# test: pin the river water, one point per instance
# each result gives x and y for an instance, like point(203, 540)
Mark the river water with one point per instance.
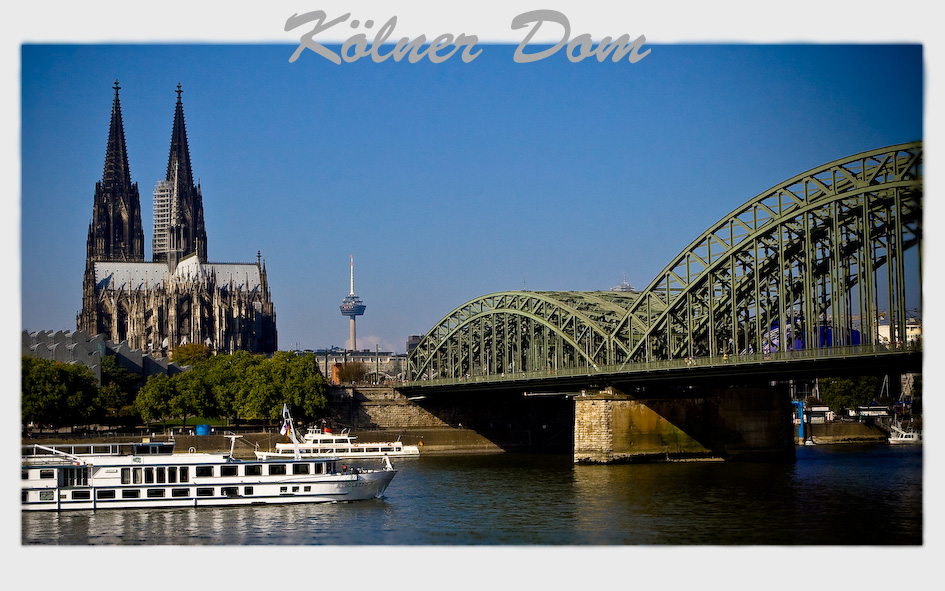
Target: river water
point(832, 495)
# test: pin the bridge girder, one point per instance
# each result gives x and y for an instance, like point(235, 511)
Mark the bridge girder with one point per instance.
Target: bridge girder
point(819, 253)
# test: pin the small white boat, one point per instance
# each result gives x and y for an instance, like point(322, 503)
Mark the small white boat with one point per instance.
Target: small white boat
point(132, 475)
point(900, 436)
point(322, 443)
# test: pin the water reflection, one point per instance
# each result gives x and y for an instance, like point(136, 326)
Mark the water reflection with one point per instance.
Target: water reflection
point(833, 495)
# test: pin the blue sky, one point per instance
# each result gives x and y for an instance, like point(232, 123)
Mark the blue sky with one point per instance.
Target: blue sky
point(445, 181)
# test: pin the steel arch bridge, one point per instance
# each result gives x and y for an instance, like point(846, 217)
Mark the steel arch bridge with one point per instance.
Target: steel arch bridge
point(808, 264)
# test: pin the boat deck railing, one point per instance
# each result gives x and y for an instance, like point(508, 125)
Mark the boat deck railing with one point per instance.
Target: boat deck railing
point(55, 452)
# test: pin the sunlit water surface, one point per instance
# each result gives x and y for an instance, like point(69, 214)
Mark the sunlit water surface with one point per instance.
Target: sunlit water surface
point(837, 495)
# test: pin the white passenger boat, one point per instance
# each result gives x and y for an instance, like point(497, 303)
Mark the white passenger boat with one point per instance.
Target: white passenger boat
point(900, 436)
point(319, 443)
point(127, 475)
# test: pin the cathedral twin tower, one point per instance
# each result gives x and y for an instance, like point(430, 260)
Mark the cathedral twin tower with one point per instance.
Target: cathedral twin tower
point(178, 297)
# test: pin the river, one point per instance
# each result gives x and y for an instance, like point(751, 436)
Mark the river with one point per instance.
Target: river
point(832, 495)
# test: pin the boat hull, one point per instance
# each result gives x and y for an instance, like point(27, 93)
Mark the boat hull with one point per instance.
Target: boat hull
point(56, 481)
point(343, 488)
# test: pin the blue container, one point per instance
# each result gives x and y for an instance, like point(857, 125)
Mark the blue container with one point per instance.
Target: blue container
point(203, 429)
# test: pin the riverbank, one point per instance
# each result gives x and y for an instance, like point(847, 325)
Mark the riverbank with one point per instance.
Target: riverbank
point(432, 441)
point(843, 432)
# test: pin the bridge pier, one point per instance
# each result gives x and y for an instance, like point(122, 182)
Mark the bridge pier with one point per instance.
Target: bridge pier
point(752, 424)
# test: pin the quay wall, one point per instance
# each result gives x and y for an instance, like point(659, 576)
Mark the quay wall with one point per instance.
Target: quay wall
point(844, 432)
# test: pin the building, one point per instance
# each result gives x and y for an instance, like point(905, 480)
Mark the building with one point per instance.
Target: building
point(381, 366)
point(179, 297)
point(78, 347)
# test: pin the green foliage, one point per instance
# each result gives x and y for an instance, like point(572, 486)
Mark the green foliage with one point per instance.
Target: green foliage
point(239, 386)
point(190, 354)
point(848, 392)
point(154, 398)
point(117, 393)
point(57, 393)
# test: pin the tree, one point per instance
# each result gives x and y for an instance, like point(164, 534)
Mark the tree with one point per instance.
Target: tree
point(192, 395)
point(353, 371)
point(154, 398)
point(190, 354)
point(116, 395)
point(840, 393)
point(57, 393)
point(43, 393)
point(263, 395)
point(304, 386)
point(227, 378)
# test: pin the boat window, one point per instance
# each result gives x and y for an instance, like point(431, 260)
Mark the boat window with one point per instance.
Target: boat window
point(204, 471)
point(105, 494)
point(277, 469)
point(160, 475)
point(81, 495)
point(180, 492)
point(247, 490)
point(130, 494)
point(126, 475)
point(149, 475)
point(155, 493)
point(184, 474)
point(172, 474)
point(47, 495)
point(73, 476)
point(230, 491)
point(307, 489)
point(136, 476)
point(228, 470)
point(47, 473)
point(25, 474)
point(300, 468)
point(204, 492)
point(253, 470)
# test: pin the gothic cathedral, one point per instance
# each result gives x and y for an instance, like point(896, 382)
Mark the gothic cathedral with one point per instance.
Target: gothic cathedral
point(179, 297)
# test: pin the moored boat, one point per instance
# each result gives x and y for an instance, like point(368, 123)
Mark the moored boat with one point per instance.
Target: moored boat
point(131, 475)
point(900, 436)
point(322, 443)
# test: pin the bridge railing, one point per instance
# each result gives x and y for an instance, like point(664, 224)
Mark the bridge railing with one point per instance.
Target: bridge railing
point(791, 355)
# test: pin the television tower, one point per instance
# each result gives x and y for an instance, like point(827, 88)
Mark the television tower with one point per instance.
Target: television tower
point(352, 307)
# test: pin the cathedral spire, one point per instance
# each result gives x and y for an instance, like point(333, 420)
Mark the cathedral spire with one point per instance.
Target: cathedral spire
point(116, 232)
point(117, 175)
point(178, 162)
point(182, 231)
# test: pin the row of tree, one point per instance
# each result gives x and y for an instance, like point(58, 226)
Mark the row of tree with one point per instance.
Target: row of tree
point(240, 386)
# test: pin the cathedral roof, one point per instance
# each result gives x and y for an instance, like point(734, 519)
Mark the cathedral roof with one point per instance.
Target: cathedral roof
point(117, 275)
point(124, 275)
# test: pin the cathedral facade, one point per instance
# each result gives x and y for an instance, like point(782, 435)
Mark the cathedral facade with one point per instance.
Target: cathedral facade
point(179, 296)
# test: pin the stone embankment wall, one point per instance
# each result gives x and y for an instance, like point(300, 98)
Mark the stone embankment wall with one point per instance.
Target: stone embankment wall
point(843, 432)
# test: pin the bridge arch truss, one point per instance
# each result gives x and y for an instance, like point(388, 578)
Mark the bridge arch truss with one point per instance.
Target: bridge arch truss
point(816, 261)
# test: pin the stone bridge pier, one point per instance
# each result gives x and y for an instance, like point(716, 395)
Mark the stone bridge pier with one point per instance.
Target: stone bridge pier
point(752, 424)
